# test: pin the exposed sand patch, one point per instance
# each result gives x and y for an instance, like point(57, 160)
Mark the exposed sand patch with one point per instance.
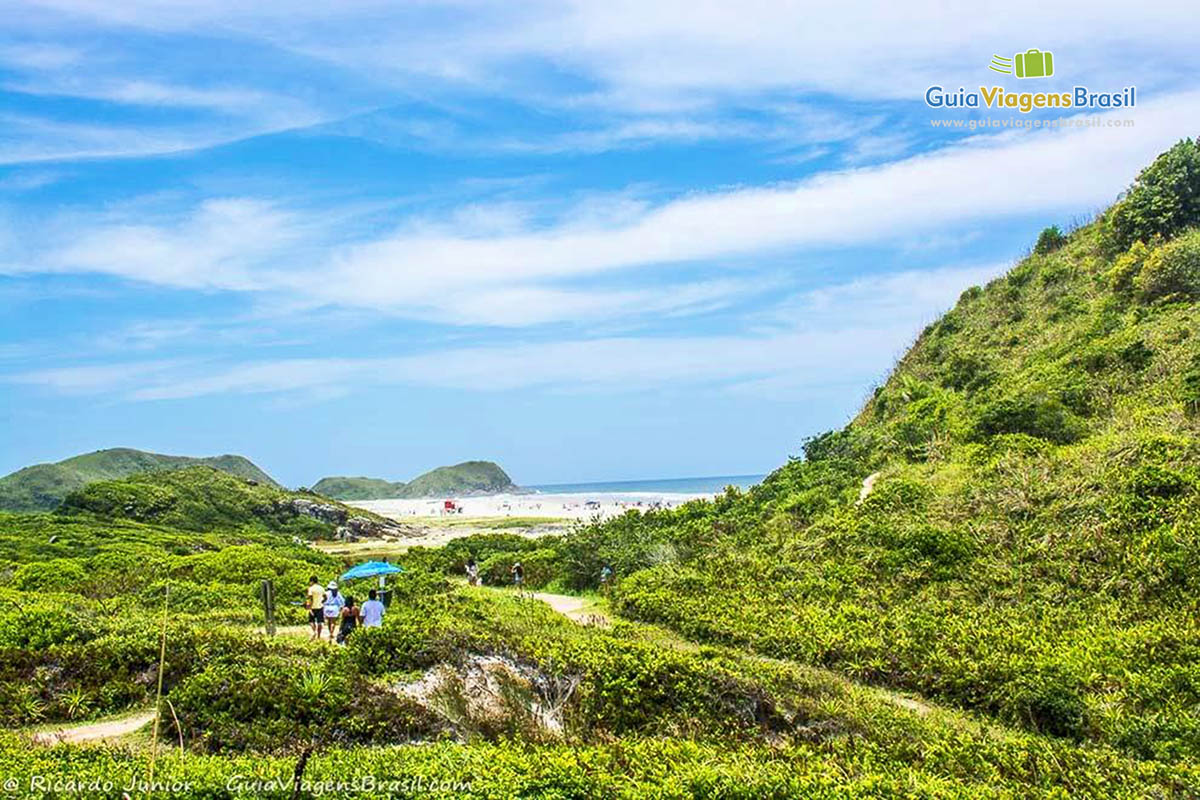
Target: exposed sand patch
point(96, 731)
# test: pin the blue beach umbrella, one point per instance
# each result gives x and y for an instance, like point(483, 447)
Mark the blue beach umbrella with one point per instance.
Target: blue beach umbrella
point(370, 569)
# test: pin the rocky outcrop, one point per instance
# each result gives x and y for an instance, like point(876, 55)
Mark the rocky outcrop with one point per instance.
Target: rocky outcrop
point(492, 695)
point(349, 528)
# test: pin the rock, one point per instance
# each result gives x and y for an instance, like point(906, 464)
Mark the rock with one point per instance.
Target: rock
point(325, 512)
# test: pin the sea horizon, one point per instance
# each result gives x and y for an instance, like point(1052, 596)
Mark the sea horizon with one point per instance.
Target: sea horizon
point(711, 484)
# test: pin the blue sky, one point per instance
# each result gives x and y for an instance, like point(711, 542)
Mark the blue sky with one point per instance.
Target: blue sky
point(591, 241)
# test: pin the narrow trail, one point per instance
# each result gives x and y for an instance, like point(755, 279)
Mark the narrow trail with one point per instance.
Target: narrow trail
point(868, 485)
point(96, 731)
point(577, 610)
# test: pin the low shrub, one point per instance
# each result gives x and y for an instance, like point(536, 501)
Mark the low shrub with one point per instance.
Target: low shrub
point(281, 704)
point(1034, 415)
point(1172, 270)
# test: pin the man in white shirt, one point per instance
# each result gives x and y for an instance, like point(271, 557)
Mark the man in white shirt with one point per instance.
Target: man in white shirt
point(372, 611)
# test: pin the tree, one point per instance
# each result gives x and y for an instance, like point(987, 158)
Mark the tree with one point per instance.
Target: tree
point(1164, 199)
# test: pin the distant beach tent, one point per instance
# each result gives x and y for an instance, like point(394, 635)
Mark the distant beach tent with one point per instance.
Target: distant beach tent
point(370, 569)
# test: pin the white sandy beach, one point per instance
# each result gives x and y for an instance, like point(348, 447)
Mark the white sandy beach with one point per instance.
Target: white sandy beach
point(559, 506)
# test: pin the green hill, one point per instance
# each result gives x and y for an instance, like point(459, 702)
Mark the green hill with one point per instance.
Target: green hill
point(469, 477)
point(1030, 544)
point(43, 486)
point(202, 498)
point(1011, 524)
point(347, 488)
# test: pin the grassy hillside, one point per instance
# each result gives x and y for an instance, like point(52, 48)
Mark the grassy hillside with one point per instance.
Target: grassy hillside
point(347, 488)
point(43, 486)
point(206, 499)
point(1029, 546)
point(469, 477)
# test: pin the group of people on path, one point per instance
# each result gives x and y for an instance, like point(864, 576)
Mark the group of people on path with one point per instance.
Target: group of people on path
point(472, 569)
point(517, 571)
point(330, 610)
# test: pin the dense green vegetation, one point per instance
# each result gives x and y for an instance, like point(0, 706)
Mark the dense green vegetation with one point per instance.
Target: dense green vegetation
point(1010, 529)
point(347, 488)
point(43, 486)
point(201, 498)
point(469, 477)
point(1031, 545)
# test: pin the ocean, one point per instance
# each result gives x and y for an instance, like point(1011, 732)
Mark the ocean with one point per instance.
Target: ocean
point(710, 485)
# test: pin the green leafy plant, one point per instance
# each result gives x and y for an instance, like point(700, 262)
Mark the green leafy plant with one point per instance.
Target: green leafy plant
point(1049, 240)
point(1164, 200)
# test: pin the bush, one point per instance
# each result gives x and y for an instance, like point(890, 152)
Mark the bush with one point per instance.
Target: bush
point(1164, 200)
point(1037, 415)
point(55, 575)
point(274, 704)
point(541, 567)
point(1172, 270)
point(967, 371)
point(1048, 700)
point(1191, 391)
point(1049, 240)
point(1136, 355)
point(1127, 267)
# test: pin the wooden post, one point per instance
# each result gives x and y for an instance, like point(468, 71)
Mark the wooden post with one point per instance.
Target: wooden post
point(162, 661)
point(268, 599)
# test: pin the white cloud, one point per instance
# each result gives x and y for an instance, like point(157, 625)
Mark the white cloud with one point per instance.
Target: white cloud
point(95, 379)
point(670, 48)
point(672, 69)
point(504, 268)
point(223, 244)
point(851, 330)
point(26, 139)
point(268, 108)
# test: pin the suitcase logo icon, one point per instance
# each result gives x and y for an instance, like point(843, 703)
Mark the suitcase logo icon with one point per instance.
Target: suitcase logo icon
point(1033, 63)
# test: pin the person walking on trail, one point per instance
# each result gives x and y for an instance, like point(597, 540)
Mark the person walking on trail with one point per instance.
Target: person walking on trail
point(472, 572)
point(314, 601)
point(372, 611)
point(332, 608)
point(350, 617)
point(518, 576)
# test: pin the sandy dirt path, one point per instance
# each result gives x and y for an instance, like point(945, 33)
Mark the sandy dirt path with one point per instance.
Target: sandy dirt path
point(579, 609)
point(96, 731)
point(576, 609)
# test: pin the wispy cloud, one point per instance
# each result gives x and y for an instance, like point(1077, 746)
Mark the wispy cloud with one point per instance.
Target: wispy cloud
point(850, 329)
point(27, 139)
point(480, 266)
point(627, 74)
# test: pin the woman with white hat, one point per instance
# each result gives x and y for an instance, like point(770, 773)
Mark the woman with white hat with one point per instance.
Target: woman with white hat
point(334, 603)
